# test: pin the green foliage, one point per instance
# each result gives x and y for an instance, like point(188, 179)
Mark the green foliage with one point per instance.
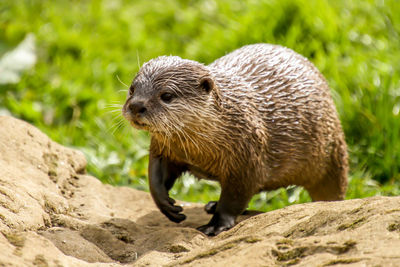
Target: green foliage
point(73, 93)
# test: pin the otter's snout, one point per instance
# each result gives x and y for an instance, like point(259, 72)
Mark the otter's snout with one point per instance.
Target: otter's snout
point(137, 108)
point(135, 112)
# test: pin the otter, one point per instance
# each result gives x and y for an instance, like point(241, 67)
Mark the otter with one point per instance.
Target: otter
point(257, 119)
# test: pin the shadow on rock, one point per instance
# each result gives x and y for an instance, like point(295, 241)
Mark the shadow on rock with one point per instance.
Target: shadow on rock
point(125, 241)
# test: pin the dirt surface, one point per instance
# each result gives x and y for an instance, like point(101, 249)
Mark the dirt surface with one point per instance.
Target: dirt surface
point(53, 214)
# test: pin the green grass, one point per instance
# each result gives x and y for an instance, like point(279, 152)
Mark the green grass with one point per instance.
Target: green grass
point(83, 46)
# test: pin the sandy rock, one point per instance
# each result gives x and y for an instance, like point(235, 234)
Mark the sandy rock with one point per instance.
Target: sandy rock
point(53, 214)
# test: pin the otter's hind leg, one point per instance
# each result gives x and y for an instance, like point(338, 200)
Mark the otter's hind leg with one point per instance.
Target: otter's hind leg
point(333, 184)
point(331, 187)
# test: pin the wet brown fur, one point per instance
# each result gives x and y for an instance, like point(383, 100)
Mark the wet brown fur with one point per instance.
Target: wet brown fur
point(269, 121)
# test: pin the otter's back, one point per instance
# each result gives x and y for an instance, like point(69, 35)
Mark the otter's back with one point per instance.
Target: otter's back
point(263, 64)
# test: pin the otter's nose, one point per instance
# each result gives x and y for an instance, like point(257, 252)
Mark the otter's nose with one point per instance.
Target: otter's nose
point(137, 108)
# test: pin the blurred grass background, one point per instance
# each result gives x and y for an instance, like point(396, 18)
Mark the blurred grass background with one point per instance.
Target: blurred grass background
point(83, 47)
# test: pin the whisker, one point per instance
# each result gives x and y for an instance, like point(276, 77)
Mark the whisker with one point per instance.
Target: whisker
point(115, 102)
point(114, 111)
point(138, 59)
point(116, 125)
point(121, 81)
point(107, 106)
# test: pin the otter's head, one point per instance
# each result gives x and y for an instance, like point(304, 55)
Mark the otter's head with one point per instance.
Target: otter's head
point(170, 94)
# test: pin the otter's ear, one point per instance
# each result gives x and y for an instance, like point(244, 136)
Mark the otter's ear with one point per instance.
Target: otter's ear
point(206, 84)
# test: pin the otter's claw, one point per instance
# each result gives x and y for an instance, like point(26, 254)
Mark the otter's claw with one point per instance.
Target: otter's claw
point(170, 210)
point(212, 230)
point(218, 224)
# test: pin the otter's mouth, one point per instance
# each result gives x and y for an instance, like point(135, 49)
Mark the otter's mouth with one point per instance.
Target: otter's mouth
point(139, 125)
point(134, 122)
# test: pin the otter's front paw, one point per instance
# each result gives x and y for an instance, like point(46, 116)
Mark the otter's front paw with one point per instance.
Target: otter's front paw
point(218, 224)
point(167, 207)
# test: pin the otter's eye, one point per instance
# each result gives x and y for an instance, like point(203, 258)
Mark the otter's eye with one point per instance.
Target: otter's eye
point(166, 97)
